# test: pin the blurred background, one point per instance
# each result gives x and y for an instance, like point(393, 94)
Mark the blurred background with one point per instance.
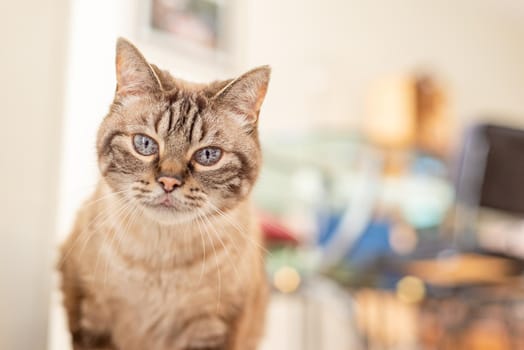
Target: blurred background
point(392, 195)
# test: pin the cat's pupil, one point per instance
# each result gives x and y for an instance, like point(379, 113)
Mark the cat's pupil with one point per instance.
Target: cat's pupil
point(208, 156)
point(145, 145)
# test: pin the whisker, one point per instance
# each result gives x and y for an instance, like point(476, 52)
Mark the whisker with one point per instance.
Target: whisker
point(204, 251)
point(219, 276)
point(189, 248)
point(143, 190)
point(116, 233)
point(224, 246)
point(101, 224)
point(134, 219)
point(123, 209)
point(107, 195)
point(238, 228)
point(102, 215)
point(250, 240)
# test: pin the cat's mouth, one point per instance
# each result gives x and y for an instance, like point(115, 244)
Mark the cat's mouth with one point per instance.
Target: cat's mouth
point(165, 202)
point(168, 209)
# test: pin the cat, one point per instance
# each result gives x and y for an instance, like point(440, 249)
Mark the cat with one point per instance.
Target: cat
point(167, 254)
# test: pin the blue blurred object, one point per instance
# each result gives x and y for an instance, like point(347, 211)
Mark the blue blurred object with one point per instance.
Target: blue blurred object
point(372, 244)
point(328, 224)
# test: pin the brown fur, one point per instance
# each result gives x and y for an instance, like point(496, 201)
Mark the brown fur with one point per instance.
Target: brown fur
point(137, 275)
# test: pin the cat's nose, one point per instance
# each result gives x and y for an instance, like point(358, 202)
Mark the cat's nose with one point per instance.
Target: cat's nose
point(169, 183)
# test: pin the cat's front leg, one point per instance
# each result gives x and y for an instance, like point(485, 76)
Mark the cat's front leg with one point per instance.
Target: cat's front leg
point(93, 332)
point(206, 333)
point(87, 340)
point(87, 321)
point(83, 336)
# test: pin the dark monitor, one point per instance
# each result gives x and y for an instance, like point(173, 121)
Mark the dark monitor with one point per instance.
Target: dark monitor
point(491, 170)
point(489, 183)
point(503, 181)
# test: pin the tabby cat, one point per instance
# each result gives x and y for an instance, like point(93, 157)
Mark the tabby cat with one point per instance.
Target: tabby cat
point(167, 254)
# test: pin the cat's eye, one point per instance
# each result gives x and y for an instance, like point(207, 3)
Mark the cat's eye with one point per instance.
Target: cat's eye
point(145, 145)
point(208, 156)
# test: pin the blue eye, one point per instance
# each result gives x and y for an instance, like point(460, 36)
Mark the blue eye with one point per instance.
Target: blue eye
point(208, 156)
point(145, 145)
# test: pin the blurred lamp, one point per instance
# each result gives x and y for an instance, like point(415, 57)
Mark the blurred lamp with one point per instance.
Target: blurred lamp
point(411, 289)
point(286, 279)
point(390, 118)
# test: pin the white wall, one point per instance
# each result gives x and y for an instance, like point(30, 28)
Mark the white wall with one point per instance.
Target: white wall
point(326, 53)
point(32, 39)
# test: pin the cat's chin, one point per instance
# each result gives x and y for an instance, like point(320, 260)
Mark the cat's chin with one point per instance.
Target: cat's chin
point(170, 216)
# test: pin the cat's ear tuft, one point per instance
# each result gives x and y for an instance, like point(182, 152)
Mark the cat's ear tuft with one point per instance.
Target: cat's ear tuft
point(134, 75)
point(245, 94)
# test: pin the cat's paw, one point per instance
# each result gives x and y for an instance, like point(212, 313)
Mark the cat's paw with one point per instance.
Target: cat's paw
point(205, 333)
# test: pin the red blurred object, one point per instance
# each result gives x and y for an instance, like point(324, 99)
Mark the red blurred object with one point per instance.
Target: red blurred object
point(274, 232)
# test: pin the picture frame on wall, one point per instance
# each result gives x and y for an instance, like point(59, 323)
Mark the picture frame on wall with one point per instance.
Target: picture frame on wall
point(195, 28)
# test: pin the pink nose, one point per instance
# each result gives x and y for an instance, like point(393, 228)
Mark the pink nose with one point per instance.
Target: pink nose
point(169, 183)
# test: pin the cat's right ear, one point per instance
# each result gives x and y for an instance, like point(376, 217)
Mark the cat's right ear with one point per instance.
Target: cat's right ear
point(134, 75)
point(245, 94)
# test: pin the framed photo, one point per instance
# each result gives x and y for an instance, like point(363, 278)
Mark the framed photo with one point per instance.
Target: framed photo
point(197, 27)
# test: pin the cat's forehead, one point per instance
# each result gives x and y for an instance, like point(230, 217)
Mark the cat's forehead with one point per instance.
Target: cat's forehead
point(188, 121)
point(181, 121)
point(184, 123)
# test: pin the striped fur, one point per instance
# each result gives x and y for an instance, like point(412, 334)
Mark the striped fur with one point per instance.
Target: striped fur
point(138, 274)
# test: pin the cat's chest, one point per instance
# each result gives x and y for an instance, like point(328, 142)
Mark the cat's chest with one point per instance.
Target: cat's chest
point(174, 277)
point(151, 299)
point(201, 286)
point(156, 306)
point(173, 289)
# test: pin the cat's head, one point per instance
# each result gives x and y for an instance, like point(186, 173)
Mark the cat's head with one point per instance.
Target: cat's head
point(178, 149)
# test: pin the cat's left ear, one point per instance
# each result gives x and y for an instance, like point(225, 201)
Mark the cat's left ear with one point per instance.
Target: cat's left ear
point(134, 75)
point(244, 95)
